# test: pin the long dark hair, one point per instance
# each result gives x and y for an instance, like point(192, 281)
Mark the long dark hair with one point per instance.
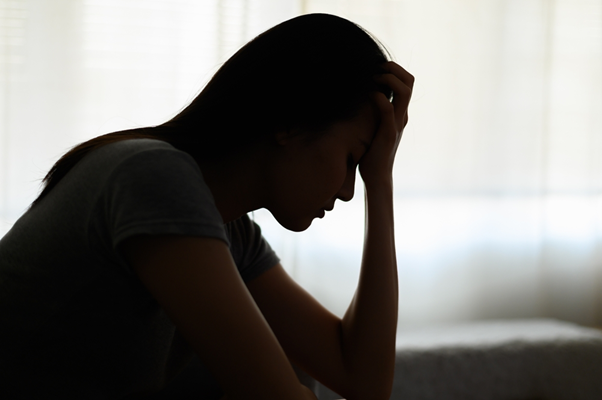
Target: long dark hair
point(307, 72)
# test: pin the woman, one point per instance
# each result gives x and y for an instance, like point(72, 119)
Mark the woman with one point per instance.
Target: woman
point(138, 254)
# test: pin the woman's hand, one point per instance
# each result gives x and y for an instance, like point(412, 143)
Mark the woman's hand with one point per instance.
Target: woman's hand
point(377, 164)
point(370, 324)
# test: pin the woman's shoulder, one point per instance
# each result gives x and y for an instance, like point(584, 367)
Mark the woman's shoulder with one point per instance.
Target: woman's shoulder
point(135, 167)
point(129, 147)
point(153, 153)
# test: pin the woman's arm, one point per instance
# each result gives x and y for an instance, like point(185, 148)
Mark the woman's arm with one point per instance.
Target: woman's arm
point(196, 282)
point(370, 323)
point(353, 356)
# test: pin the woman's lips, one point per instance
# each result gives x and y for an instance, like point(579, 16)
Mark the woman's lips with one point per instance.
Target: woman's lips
point(323, 211)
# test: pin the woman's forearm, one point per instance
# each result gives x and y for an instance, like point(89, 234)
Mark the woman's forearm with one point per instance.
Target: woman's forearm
point(368, 328)
point(370, 323)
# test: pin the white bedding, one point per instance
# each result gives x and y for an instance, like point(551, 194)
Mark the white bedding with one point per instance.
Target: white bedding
point(497, 360)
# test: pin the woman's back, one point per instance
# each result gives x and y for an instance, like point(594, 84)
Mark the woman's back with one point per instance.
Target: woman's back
point(65, 285)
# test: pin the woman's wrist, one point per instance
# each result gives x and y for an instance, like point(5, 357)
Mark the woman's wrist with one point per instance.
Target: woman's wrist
point(380, 186)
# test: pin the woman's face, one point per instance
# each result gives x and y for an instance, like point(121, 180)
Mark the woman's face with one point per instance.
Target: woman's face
point(310, 174)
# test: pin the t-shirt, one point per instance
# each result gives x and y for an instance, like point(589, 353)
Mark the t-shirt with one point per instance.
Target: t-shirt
point(75, 321)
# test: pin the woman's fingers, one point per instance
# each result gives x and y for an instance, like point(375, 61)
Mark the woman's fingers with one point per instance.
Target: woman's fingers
point(400, 73)
point(401, 83)
point(388, 121)
point(401, 96)
point(378, 161)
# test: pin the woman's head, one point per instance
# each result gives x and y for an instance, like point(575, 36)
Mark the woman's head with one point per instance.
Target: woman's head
point(305, 73)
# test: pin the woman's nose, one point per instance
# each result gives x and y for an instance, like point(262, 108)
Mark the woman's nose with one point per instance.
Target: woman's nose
point(346, 192)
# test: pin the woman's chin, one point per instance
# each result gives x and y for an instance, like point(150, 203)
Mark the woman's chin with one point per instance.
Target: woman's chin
point(299, 227)
point(295, 225)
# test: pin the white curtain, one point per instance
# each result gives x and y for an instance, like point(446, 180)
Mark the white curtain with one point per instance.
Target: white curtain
point(498, 178)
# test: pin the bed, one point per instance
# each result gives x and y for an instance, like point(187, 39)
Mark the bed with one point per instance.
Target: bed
point(538, 359)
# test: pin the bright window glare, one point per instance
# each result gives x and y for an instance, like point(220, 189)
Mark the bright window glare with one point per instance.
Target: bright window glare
point(445, 245)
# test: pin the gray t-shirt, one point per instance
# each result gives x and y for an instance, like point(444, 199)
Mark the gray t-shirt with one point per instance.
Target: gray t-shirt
point(75, 321)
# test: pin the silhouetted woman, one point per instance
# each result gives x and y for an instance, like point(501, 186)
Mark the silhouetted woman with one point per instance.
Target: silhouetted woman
point(139, 254)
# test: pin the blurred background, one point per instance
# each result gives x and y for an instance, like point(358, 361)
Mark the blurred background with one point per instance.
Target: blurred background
point(498, 177)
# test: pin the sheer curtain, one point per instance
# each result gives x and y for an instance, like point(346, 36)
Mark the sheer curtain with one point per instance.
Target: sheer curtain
point(498, 178)
point(74, 69)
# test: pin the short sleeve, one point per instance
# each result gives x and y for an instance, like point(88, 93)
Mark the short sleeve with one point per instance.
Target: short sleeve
point(250, 251)
point(159, 191)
